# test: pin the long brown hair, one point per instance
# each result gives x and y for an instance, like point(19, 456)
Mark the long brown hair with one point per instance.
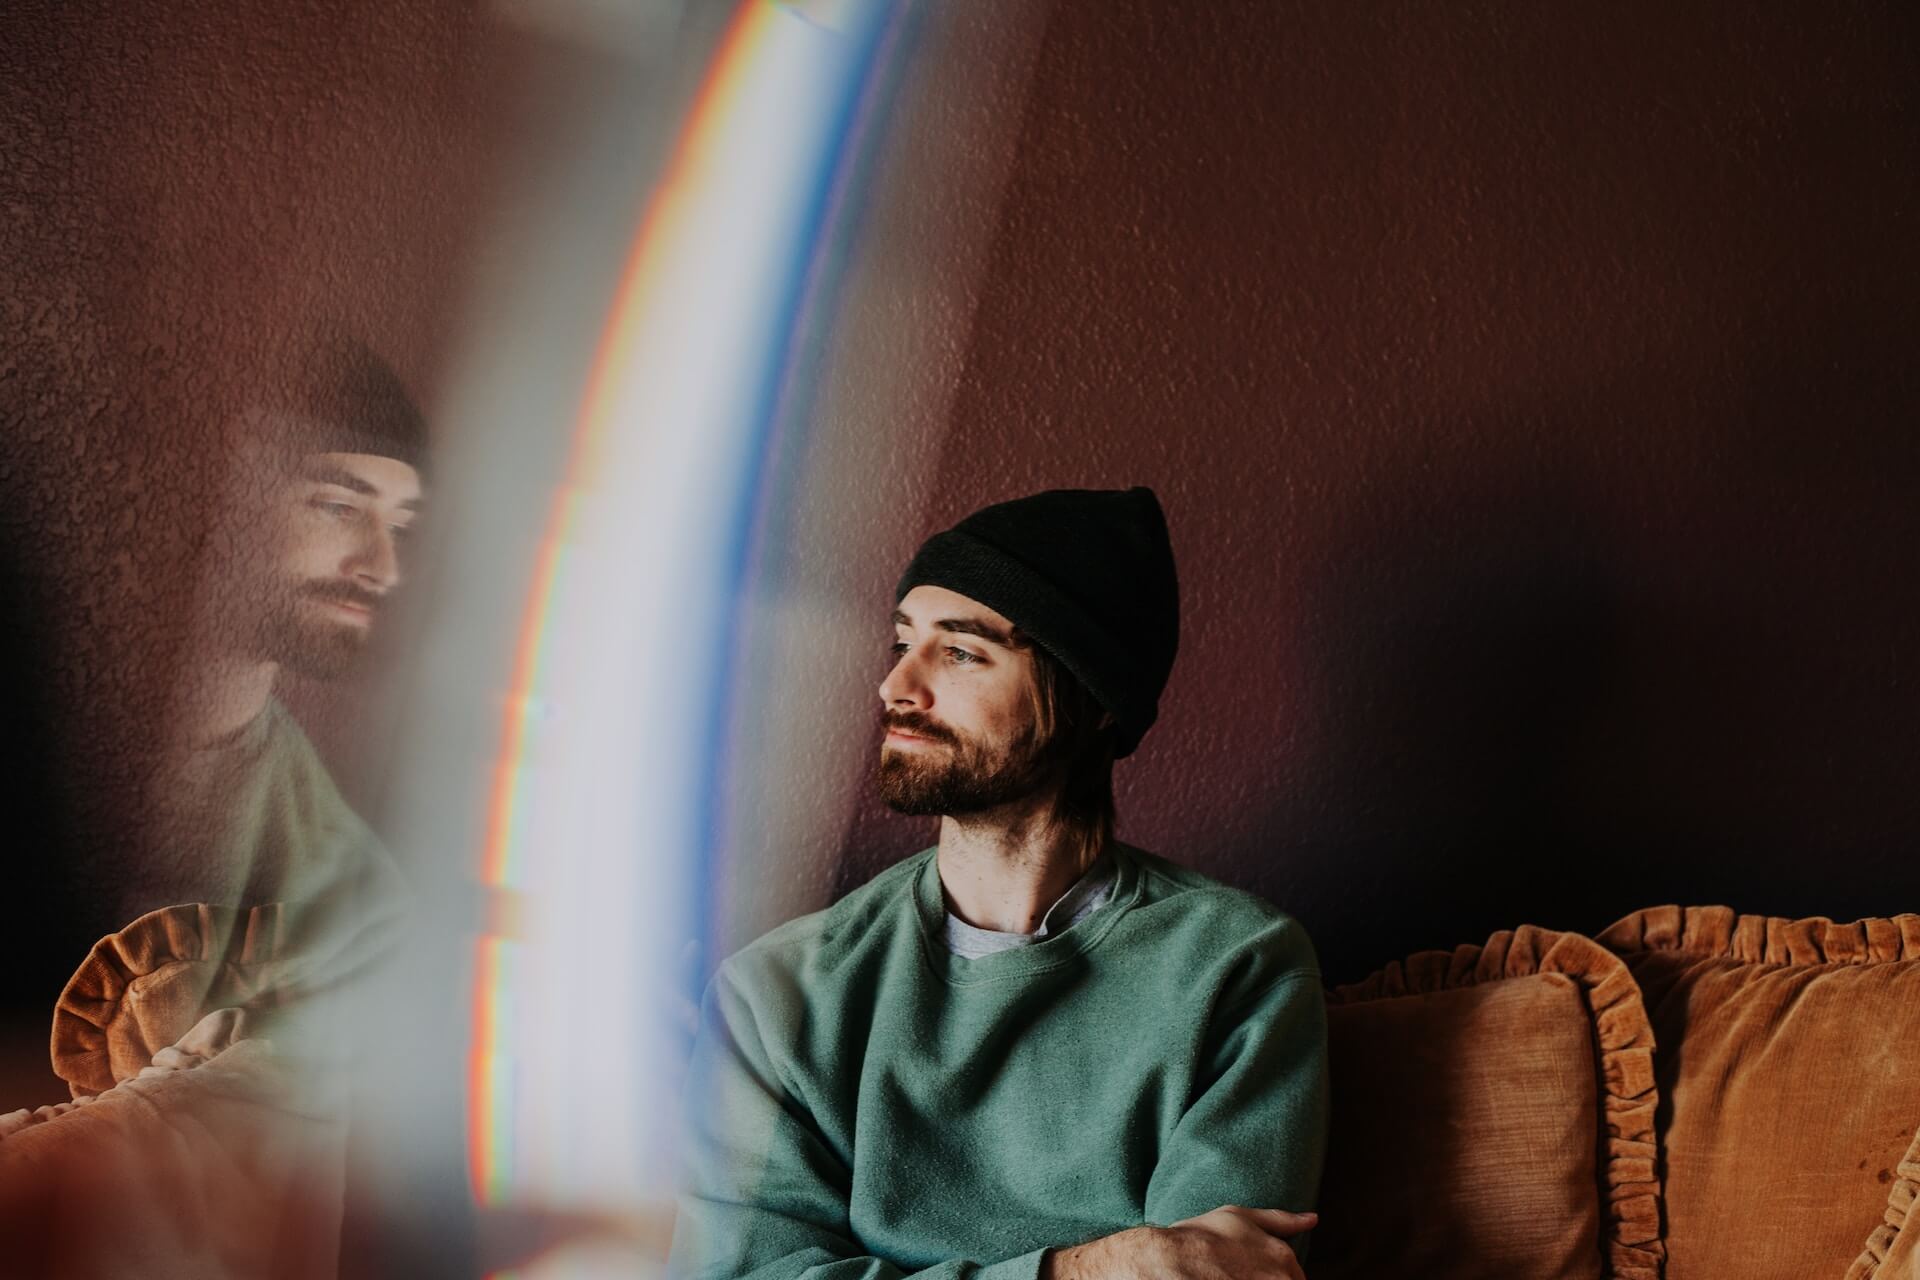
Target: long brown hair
point(1078, 736)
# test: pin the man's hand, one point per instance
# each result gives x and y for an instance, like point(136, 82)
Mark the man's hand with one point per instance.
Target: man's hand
point(1230, 1243)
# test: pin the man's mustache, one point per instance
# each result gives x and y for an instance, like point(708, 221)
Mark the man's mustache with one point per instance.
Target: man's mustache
point(920, 724)
point(343, 593)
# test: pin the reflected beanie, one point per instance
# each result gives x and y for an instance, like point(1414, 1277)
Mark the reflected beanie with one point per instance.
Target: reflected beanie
point(1087, 575)
point(346, 399)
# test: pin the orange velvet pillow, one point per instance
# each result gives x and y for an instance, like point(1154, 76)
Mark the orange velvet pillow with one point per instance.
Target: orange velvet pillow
point(1493, 1115)
point(1789, 1074)
point(145, 987)
point(1892, 1252)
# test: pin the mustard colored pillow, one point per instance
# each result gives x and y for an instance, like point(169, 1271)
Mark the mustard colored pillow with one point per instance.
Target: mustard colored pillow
point(1493, 1113)
point(214, 1161)
point(1789, 1072)
point(1892, 1252)
point(143, 988)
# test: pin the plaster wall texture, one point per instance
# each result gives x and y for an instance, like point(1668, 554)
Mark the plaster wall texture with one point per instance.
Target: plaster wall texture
point(1531, 392)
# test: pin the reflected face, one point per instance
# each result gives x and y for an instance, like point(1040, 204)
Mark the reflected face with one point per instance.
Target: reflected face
point(340, 520)
point(958, 709)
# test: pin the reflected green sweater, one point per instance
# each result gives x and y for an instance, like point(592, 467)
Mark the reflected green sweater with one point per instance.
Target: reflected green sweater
point(866, 1104)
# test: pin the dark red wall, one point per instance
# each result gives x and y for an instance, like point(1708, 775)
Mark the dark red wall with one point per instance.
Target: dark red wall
point(1532, 391)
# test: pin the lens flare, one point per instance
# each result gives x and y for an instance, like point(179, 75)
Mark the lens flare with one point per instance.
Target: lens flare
point(599, 832)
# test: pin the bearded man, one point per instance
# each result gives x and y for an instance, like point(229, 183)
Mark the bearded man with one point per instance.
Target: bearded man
point(321, 496)
point(1030, 1051)
point(307, 514)
point(206, 1041)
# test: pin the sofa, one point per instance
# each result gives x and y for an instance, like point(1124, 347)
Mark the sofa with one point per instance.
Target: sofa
point(1692, 1094)
point(193, 1148)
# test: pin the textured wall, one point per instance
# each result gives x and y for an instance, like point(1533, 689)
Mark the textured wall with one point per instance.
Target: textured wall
point(1530, 390)
point(1532, 393)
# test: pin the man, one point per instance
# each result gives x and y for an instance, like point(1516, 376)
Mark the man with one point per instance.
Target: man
point(207, 1040)
point(325, 490)
point(1030, 1051)
point(237, 809)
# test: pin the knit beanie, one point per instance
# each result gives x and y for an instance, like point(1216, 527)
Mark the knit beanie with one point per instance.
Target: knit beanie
point(346, 399)
point(1087, 575)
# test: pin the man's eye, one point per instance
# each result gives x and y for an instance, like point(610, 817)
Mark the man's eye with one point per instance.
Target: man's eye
point(961, 656)
point(338, 510)
point(898, 648)
point(400, 532)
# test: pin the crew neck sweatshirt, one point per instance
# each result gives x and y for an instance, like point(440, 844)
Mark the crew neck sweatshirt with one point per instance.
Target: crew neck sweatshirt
point(866, 1103)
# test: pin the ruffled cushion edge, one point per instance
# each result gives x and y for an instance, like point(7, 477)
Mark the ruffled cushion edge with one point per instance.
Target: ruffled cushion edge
point(1632, 1240)
point(95, 996)
point(1715, 933)
point(1723, 932)
point(213, 1035)
point(1900, 1201)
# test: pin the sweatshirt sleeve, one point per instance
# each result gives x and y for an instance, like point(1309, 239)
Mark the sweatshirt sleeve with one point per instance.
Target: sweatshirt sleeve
point(1255, 1131)
point(764, 1195)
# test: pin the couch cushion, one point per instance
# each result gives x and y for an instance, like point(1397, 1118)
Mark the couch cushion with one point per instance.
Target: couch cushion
point(1493, 1115)
point(1789, 1074)
point(145, 987)
point(217, 1161)
point(1893, 1250)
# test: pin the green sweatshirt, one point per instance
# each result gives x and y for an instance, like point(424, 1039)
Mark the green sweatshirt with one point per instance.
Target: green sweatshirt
point(867, 1104)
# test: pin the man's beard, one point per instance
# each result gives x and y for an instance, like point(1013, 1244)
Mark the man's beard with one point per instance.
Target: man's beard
point(312, 646)
point(966, 777)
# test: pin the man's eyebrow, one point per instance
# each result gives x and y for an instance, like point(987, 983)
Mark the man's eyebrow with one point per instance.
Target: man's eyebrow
point(327, 473)
point(963, 626)
point(975, 627)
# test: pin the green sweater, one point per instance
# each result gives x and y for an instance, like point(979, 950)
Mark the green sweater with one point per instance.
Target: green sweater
point(867, 1104)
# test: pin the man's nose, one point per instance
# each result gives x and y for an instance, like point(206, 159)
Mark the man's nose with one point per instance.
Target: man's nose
point(376, 561)
point(904, 685)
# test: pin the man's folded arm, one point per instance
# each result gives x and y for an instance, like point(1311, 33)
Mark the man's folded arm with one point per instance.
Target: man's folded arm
point(765, 1196)
point(1255, 1131)
point(752, 1244)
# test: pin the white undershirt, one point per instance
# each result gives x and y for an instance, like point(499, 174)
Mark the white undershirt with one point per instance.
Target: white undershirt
point(1087, 895)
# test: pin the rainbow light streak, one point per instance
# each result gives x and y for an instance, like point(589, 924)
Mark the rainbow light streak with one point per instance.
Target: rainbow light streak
point(600, 818)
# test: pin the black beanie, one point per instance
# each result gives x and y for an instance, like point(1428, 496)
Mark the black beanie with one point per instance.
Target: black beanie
point(346, 399)
point(1086, 574)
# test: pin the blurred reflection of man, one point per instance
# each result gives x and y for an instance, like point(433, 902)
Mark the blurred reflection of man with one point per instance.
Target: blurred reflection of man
point(208, 1037)
point(1030, 1051)
point(305, 551)
point(327, 487)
